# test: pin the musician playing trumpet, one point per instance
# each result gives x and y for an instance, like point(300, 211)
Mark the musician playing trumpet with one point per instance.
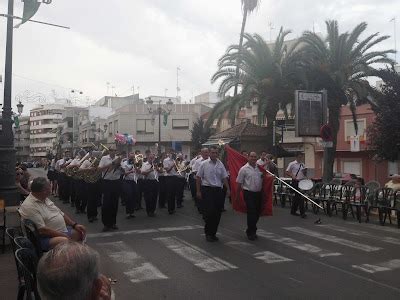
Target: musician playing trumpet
point(74, 182)
point(297, 171)
point(171, 180)
point(129, 185)
point(150, 184)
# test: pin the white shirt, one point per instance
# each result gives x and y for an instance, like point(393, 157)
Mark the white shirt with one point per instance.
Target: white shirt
point(61, 162)
point(110, 173)
point(43, 213)
point(294, 168)
point(250, 178)
point(85, 165)
point(145, 168)
point(197, 164)
point(262, 163)
point(168, 163)
point(74, 162)
point(129, 167)
point(212, 173)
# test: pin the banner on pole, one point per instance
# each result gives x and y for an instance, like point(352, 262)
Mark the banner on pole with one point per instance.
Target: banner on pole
point(355, 143)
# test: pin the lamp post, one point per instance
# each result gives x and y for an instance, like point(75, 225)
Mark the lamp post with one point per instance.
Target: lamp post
point(159, 111)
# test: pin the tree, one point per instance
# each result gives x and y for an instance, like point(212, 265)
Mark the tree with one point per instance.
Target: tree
point(384, 133)
point(248, 6)
point(340, 63)
point(200, 134)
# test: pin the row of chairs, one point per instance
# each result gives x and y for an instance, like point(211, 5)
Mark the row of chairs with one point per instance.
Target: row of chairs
point(348, 199)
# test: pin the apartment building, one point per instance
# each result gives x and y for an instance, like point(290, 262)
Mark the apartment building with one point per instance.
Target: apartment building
point(22, 139)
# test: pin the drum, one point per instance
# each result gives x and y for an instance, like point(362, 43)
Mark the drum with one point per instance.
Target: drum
point(306, 184)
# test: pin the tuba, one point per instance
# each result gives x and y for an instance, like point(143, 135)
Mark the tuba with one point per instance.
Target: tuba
point(72, 172)
point(92, 175)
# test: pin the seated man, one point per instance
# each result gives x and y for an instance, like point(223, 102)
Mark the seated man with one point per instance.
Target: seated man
point(50, 220)
point(71, 271)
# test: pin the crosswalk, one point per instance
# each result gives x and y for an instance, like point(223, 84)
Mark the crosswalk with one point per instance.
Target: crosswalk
point(138, 265)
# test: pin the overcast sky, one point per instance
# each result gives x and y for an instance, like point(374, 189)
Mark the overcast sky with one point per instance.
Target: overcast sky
point(141, 43)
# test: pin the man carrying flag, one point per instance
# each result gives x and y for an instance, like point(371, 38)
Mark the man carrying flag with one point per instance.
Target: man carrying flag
point(249, 180)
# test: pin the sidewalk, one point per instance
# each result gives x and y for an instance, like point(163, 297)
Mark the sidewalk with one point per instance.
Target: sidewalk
point(8, 275)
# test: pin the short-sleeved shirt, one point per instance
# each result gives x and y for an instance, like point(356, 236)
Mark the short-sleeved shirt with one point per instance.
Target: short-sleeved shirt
point(85, 165)
point(294, 168)
point(127, 166)
point(212, 173)
point(196, 164)
point(250, 178)
point(74, 162)
point(61, 162)
point(168, 163)
point(110, 173)
point(145, 168)
point(43, 213)
point(262, 163)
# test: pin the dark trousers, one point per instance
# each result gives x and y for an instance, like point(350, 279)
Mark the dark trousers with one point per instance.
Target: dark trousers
point(94, 197)
point(212, 203)
point(139, 193)
point(180, 185)
point(109, 209)
point(129, 195)
point(73, 187)
point(82, 194)
point(298, 201)
point(65, 187)
point(150, 195)
point(192, 185)
point(171, 183)
point(253, 202)
point(162, 191)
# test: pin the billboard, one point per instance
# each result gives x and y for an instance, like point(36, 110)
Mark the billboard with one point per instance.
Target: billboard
point(311, 110)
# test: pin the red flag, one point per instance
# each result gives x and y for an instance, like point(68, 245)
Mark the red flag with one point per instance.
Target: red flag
point(235, 161)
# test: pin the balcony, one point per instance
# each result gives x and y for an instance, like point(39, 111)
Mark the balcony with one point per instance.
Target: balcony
point(39, 154)
point(43, 136)
point(44, 126)
point(41, 145)
point(47, 117)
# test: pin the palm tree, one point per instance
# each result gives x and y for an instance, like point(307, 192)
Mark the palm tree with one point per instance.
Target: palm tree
point(268, 75)
point(200, 134)
point(341, 64)
point(248, 6)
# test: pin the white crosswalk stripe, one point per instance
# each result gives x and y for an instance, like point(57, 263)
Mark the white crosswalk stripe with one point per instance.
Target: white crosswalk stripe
point(296, 244)
point(380, 267)
point(199, 257)
point(266, 256)
point(137, 269)
point(349, 231)
point(333, 239)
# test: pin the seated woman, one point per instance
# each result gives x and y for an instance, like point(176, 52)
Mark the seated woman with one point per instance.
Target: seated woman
point(394, 183)
point(19, 173)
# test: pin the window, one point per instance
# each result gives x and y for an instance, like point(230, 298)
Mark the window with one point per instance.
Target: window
point(115, 126)
point(393, 167)
point(144, 127)
point(352, 167)
point(180, 123)
point(110, 129)
point(350, 131)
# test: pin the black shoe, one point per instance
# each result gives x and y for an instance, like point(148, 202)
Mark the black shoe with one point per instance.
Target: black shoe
point(303, 216)
point(180, 206)
point(106, 229)
point(130, 216)
point(151, 214)
point(215, 238)
point(171, 212)
point(114, 227)
point(209, 238)
point(77, 211)
point(295, 214)
point(65, 202)
point(72, 204)
point(251, 237)
point(95, 219)
point(162, 206)
point(91, 219)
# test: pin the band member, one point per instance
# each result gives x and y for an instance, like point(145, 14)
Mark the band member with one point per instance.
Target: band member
point(139, 186)
point(262, 161)
point(297, 171)
point(180, 181)
point(195, 168)
point(150, 184)
point(162, 185)
point(83, 188)
point(110, 166)
point(170, 180)
point(192, 177)
point(211, 177)
point(94, 191)
point(129, 185)
point(64, 181)
point(249, 181)
point(74, 182)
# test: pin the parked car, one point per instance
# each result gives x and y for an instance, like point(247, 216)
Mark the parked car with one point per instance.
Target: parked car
point(28, 164)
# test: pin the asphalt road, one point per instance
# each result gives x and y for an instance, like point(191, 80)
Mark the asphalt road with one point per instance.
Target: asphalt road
point(167, 257)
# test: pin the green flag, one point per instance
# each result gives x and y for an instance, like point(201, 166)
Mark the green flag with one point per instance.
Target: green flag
point(16, 121)
point(30, 9)
point(165, 122)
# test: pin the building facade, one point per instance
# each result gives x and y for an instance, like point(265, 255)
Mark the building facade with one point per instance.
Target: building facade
point(22, 139)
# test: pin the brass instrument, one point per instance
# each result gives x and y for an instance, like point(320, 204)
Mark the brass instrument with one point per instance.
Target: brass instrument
point(138, 161)
point(92, 174)
point(72, 172)
point(181, 166)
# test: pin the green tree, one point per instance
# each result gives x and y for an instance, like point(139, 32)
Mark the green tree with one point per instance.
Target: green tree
point(248, 6)
point(200, 134)
point(341, 64)
point(384, 133)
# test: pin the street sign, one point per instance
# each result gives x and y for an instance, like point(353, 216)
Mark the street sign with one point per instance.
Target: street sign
point(355, 143)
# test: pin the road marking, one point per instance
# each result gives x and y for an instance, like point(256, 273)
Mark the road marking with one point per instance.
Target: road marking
point(381, 267)
point(296, 244)
point(143, 231)
point(266, 256)
point(195, 255)
point(138, 270)
point(333, 239)
point(385, 239)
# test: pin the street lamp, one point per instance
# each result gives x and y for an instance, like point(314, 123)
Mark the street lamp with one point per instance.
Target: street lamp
point(20, 107)
point(159, 111)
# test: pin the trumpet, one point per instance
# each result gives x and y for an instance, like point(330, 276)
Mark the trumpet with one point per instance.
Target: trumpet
point(181, 166)
point(138, 160)
point(92, 175)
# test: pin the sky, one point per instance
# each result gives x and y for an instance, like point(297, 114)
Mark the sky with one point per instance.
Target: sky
point(141, 43)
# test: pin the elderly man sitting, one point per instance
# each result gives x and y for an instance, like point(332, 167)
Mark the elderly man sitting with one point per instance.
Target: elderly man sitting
point(53, 225)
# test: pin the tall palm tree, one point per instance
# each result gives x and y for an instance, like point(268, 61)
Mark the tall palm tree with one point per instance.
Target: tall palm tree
point(341, 64)
point(248, 6)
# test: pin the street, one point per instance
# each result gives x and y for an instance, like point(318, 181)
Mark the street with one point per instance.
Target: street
point(167, 257)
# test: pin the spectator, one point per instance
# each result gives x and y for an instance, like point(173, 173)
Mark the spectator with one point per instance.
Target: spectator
point(25, 177)
point(50, 220)
point(71, 271)
point(394, 183)
point(19, 173)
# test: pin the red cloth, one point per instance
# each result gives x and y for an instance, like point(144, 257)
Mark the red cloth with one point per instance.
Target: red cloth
point(235, 161)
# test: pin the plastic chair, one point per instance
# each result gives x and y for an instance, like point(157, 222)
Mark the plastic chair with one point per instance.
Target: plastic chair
point(27, 261)
point(381, 202)
point(32, 234)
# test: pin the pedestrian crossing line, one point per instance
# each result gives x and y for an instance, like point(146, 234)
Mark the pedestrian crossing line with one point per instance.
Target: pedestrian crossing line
point(385, 239)
point(380, 267)
point(137, 269)
point(333, 239)
point(199, 257)
point(311, 249)
point(144, 231)
point(266, 256)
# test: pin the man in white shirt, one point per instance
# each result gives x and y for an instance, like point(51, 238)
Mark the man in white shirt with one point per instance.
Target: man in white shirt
point(210, 179)
point(171, 180)
point(110, 165)
point(54, 226)
point(129, 185)
point(249, 181)
point(75, 183)
point(150, 185)
point(192, 177)
point(262, 161)
point(204, 155)
point(297, 171)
